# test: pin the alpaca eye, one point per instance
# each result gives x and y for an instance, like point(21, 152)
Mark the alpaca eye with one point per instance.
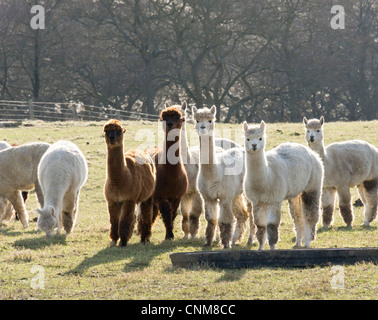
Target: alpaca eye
point(209, 121)
point(308, 131)
point(260, 139)
point(318, 130)
point(197, 121)
point(247, 139)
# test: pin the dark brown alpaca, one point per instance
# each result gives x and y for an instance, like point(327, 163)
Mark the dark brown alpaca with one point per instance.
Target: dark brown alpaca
point(171, 178)
point(130, 180)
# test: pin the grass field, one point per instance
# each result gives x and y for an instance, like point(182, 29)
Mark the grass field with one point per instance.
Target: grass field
point(82, 266)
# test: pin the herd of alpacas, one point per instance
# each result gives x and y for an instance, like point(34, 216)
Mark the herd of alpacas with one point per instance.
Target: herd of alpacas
point(234, 186)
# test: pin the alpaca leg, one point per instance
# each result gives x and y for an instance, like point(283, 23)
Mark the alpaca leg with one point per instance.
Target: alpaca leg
point(251, 223)
point(211, 215)
point(145, 220)
point(155, 213)
point(6, 211)
point(311, 213)
point(174, 207)
point(361, 192)
point(185, 205)
point(295, 209)
point(195, 213)
point(126, 222)
point(260, 213)
point(39, 193)
point(371, 196)
point(18, 204)
point(166, 213)
point(345, 204)
point(114, 210)
point(225, 223)
point(272, 224)
point(69, 212)
point(241, 215)
point(328, 203)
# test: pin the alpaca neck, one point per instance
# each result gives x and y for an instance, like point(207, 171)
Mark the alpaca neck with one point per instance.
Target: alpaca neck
point(184, 145)
point(319, 148)
point(115, 162)
point(257, 164)
point(207, 155)
point(170, 146)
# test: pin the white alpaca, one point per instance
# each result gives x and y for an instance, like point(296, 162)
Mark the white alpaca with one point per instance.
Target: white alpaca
point(62, 172)
point(18, 171)
point(288, 172)
point(6, 209)
point(220, 178)
point(346, 164)
point(191, 205)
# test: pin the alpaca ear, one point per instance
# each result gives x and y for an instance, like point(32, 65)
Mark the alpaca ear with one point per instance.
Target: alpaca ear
point(262, 125)
point(183, 105)
point(245, 125)
point(213, 110)
point(167, 104)
point(51, 211)
point(321, 120)
point(305, 120)
point(183, 119)
point(194, 110)
point(123, 130)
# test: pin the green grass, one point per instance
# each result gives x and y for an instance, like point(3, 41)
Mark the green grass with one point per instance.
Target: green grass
point(82, 266)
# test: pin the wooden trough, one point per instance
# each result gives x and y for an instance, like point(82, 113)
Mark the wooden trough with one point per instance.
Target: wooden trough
point(274, 258)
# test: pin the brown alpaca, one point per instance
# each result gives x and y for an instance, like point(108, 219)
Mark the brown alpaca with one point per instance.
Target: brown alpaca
point(130, 180)
point(171, 178)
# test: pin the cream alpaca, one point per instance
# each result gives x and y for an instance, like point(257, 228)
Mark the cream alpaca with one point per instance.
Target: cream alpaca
point(288, 172)
point(15, 175)
point(6, 209)
point(220, 178)
point(346, 165)
point(192, 203)
point(62, 172)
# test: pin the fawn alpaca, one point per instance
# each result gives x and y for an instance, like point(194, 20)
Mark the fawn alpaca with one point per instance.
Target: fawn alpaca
point(130, 180)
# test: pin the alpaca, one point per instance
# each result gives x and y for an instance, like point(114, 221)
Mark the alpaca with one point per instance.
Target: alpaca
point(220, 178)
point(62, 172)
point(290, 171)
point(346, 164)
point(19, 171)
point(171, 176)
point(130, 180)
point(7, 212)
point(192, 204)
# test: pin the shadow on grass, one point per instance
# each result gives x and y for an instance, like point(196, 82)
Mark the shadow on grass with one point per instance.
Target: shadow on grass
point(137, 256)
point(40, 242)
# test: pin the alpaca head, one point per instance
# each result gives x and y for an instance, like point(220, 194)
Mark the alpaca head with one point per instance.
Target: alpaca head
point(313, 130)
point(204, 120)
point(47, 221)
point(255, 137)
point(172, 118)
point(114, 133)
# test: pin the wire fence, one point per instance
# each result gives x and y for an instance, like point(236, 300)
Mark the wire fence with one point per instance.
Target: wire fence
point(64, 111)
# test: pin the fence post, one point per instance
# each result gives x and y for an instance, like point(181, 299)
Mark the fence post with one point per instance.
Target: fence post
point(74, 109)
point(31, 110)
